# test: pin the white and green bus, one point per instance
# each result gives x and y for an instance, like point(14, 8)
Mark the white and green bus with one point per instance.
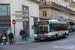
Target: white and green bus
point(46, 30)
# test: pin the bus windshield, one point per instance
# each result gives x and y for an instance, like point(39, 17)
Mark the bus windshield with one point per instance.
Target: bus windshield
point(41, 29)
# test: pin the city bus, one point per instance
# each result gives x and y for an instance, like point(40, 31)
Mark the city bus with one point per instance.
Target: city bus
point(51, 29)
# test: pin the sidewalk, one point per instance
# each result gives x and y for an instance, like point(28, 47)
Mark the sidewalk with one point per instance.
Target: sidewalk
point(30, 40)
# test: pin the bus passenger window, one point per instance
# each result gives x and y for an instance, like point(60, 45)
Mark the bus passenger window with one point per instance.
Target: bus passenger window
point(53, 28)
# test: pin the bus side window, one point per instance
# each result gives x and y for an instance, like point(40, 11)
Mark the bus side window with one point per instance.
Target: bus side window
point(50, 27)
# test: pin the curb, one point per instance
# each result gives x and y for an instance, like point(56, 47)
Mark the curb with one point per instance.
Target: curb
point(23, 43)
point(71, 33)
point(16, 43)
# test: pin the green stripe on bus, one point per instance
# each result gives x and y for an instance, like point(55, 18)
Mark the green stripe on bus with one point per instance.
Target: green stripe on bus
point(58, 22)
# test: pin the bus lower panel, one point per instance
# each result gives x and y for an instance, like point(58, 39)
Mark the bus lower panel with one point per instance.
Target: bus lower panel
point(44, 38)
point(67, 34)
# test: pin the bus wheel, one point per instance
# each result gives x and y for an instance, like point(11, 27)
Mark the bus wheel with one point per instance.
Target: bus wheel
point(64, 35)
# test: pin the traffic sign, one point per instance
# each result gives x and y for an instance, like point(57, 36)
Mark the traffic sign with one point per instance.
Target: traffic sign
point(13, 22)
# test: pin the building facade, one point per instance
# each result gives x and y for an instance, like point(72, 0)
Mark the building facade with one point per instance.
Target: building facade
point(58, 9)
point(13, 10)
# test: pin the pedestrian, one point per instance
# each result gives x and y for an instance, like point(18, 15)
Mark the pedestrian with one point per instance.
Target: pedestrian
point(20, 34)
point(10, 37)
point(23, 35)
point(4, 37)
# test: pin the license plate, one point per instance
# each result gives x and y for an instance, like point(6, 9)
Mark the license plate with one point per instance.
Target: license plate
point(42, 38)
point(40, 35)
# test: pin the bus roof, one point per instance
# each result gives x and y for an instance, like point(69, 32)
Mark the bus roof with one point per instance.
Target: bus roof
point(47, 21)
point(54, 20)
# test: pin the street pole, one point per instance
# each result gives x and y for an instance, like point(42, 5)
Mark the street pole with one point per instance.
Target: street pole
point(14, 35)
point(14, 22)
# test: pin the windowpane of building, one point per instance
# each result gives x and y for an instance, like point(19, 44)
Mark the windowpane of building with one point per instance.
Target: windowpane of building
point(8, 9)
point(35, 19)
point(3, 10)
point(44, 13)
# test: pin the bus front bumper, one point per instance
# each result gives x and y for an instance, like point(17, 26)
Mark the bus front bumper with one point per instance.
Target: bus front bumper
point(44, 37)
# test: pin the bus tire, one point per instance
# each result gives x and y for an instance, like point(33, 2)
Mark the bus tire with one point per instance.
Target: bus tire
point(65, 35)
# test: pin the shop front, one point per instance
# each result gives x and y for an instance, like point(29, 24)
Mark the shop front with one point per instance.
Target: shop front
point(5, 21)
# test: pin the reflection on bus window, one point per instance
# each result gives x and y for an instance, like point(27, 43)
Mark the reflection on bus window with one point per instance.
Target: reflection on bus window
point(58, 27)
point(41, 29)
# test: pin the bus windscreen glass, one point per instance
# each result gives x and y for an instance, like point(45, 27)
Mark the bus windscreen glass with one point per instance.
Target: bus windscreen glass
point(41, 29)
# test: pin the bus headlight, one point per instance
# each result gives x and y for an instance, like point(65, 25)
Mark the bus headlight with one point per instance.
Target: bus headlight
point(49, 35)
point(35, 35)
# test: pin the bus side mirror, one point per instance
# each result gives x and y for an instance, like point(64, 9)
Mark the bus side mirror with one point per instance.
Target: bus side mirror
point(32, 27)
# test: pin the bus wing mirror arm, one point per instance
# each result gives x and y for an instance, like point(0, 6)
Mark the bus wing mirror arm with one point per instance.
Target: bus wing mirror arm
point(32, 27)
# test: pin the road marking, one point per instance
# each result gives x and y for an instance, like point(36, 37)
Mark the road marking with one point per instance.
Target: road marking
point(67, 41)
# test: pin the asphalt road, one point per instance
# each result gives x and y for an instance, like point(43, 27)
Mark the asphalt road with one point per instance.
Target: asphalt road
point(61, 44)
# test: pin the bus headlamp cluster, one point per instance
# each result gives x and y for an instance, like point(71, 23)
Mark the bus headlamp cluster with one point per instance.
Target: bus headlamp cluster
point(35, 35)
point(49, 34)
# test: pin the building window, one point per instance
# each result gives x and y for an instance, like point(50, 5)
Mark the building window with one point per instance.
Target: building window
point(25, 8)
point(8, 10)
point(44, 13)
point(51, 14)
point(35, 19)
point(54, 15)
point(4, 10)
